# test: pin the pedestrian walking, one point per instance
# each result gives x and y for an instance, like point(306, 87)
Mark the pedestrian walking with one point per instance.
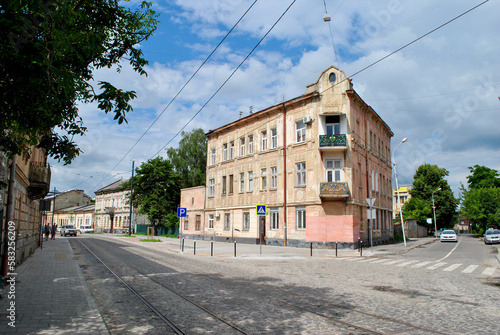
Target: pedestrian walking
point(53, 232)
point(47, 232)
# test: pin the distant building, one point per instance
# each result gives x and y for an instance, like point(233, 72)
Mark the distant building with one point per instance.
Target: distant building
point(71, 198)
point(404, 196)
point(463, 225)
point(76, 216)
point(312, 160)
point(112, 209)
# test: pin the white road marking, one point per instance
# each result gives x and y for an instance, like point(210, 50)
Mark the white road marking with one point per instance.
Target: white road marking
point(419, 265)
point(452, 267)
point(435, 266)
point(406, 263)
point(470, 268)
point(449, 254)
point(489, 271)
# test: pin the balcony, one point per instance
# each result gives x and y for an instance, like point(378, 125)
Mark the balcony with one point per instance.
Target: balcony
point(333, 142)
point(333, 190)
point(39, 179)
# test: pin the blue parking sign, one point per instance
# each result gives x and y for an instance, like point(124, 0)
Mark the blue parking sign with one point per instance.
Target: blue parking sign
point(261, 210)
point(181, 212)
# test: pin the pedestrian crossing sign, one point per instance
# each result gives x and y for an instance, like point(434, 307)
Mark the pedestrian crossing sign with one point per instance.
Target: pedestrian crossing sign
point(261, 210)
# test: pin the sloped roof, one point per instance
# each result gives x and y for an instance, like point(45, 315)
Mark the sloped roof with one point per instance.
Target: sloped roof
point(113, 187)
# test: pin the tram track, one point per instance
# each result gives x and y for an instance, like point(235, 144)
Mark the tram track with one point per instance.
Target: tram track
point(322, 308)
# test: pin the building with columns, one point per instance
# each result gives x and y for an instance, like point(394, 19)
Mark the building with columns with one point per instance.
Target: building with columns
point(312, 160)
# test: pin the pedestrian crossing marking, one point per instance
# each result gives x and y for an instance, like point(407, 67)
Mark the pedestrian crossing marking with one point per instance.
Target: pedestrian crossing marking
point(394, 261)
point(382, 260)
point(470, 268)
point(421, 264)
point(452, 267)
point(489, 271)
point(406, 263)
point(435, 266)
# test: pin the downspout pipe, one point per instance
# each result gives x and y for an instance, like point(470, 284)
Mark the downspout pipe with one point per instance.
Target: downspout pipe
point(9, 217)
point(285, 226)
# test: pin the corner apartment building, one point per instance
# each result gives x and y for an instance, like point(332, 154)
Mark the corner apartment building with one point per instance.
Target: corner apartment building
point(312, 160)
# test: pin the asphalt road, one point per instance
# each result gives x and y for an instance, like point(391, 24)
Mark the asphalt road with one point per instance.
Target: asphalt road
point(439, 288)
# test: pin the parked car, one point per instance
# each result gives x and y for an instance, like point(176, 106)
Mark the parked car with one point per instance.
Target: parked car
point(86, 229)
point(67, 230)
point(492, 236)
point(448, 235)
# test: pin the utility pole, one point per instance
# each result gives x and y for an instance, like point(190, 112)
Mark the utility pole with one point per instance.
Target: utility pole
point(131, 190)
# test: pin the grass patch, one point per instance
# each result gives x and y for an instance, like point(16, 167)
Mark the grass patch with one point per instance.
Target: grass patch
point(150, 240)
point(140, 234)
point(94, 232)
point(125, 235)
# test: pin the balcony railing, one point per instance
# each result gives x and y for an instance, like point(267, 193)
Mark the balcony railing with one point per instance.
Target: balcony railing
point(338, 140)
point(39, 178)
point(333, 190)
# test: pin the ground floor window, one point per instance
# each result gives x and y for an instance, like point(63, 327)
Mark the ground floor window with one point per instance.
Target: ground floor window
point(246, 221)
point(210, 221)
point(275, 218)
point(186, 223)
point(300, 217)
point(227, 221)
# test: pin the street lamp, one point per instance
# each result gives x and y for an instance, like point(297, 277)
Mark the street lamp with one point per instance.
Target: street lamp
point(397, 190)
point(434, 211)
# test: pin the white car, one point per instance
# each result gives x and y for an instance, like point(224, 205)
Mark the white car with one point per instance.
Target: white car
point(86, 229)
point(448, 235)
point(492, 236)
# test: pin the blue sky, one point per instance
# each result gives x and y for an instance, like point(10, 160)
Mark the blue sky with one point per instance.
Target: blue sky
point(440, 92)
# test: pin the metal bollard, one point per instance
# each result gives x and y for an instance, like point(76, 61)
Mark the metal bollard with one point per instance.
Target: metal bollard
point(359, 244)
point(311, 247)
point(182, 245)
point(211, 248)
point(234, 248)
point(336, 249)
point(194, 248)
point(361, 249)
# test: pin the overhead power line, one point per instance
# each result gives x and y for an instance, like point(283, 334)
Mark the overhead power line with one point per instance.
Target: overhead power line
point(182, 89)
point(228, 78)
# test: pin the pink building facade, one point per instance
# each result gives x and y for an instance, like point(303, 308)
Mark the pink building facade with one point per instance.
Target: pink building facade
point(312, 161)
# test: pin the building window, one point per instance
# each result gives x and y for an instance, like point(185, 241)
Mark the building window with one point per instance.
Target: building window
point(250, 144)
point(263, 178)
point(186, 222)
point(274, 138)
point(227, 221)
point(264, 141)
point(224, 185)
point(198, 222)
point(300, 130)
point(332, 125)
point(231, 150)
point(333, 170)
point(250, 181)
point(246, 221)
point(300, 217)
point(242, 182)
point(231, 182)
point(300, 174)
point(242, 146)
point(275, 218)
point(211, 187)
point(212, 157)
point(210, 221)
point(274, 177)
point(224, 152)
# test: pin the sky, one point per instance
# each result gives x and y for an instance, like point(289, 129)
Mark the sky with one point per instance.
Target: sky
point(441, 92)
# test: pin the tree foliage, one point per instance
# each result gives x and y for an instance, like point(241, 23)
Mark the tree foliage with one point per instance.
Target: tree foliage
point(48, 53)
point(481, 200)
point(427, 179)
point(156, 191)
point(190, 158)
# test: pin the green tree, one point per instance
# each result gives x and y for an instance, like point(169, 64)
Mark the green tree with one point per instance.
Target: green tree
point(156, 191)
point(48, 54)
point(190, 158)
point(480, 201)
point(427, 179)
point(482, 176)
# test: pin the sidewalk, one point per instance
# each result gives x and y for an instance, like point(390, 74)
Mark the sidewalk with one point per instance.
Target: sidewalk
point(51, 296)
